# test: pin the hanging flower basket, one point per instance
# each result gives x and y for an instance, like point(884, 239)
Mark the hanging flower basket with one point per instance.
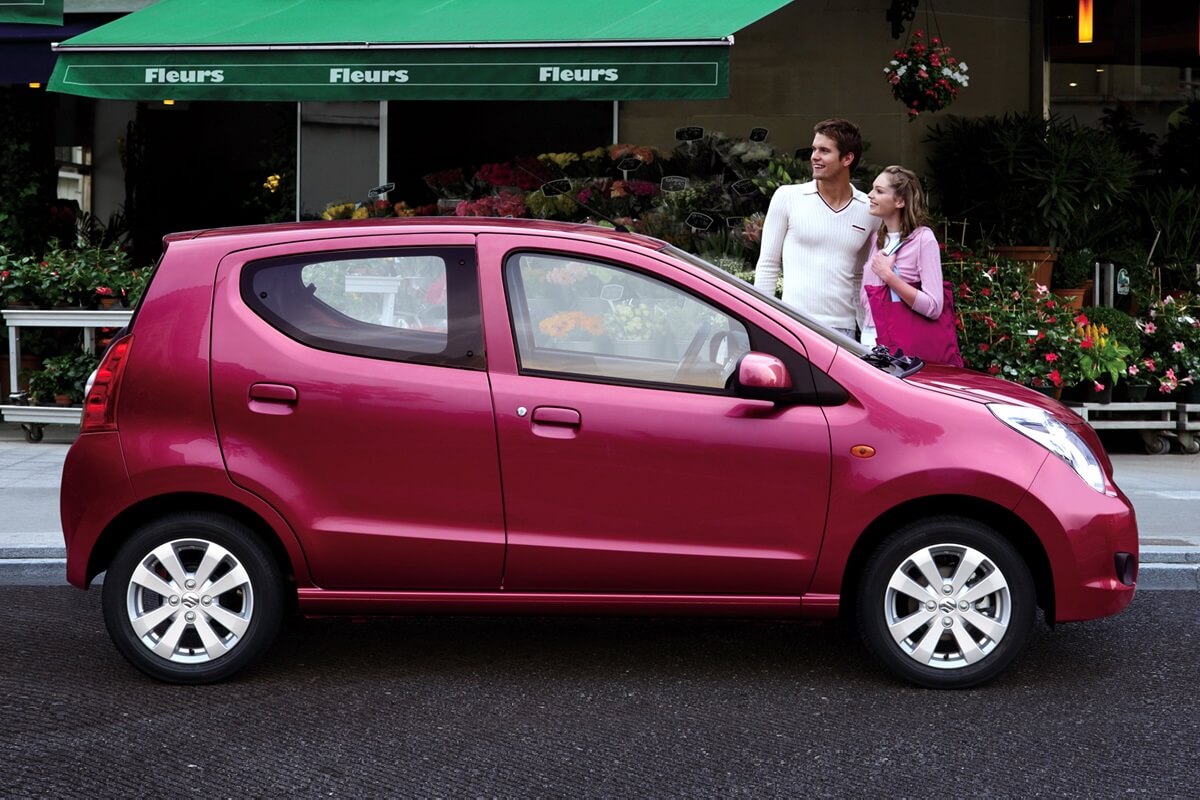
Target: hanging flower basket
point(925, 77)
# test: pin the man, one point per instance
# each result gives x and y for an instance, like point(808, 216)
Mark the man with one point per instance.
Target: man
point(820, 233)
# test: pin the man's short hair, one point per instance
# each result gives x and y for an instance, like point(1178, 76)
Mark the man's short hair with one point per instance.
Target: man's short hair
point(846, 134)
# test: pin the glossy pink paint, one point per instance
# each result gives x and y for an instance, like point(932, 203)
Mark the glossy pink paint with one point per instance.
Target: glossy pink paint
point(399, 488)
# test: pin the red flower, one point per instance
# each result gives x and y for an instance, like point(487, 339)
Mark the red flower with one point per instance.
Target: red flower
point(994, 369)
point(1051, 357)
point(984, 347)
point(1055, 378)
point(104, 291)
point(1081, 320)
point(1085, 343)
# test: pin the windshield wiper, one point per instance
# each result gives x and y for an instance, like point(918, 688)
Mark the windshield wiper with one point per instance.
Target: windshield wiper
point(881, 357)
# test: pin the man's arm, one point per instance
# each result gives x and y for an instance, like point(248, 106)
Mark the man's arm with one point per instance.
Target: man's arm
point(770, 257)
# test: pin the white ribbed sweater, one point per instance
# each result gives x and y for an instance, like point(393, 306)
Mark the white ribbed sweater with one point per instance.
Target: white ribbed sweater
point(821, 252)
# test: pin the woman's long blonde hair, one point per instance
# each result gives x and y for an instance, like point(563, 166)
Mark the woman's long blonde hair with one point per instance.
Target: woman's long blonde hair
point(906, 186)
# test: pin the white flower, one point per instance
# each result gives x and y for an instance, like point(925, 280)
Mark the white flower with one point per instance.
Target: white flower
point(894, 63)
point(886, 70)
point(962, 65)
point(901, 71)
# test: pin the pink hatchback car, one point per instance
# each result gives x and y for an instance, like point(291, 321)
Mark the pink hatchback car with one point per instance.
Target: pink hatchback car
point(502, 416)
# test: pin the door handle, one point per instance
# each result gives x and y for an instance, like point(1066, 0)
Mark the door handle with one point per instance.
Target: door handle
point(555, 422)
point(274, 392)
point(553, 415)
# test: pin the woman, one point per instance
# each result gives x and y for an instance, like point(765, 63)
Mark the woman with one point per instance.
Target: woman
point(907, 306)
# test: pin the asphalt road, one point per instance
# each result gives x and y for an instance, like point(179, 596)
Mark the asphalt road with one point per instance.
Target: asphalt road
point(479, 707)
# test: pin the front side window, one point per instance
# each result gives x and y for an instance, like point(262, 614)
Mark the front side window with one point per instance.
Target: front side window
point(407, 305)
point(586, 318)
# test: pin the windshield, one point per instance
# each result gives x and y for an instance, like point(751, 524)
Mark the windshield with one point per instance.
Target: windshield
point(879, 356)
point(717, 272)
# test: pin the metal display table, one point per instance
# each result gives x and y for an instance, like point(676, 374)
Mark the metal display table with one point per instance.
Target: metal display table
point(1156, 422)
point(34, 418)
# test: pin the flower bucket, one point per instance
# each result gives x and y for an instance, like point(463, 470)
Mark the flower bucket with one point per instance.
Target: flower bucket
point(1089, 393)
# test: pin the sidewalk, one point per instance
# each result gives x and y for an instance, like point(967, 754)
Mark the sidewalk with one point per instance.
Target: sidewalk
point(1165, 490)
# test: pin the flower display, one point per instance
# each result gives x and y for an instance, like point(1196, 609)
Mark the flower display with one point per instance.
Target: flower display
point(505, 204)
point(1171, 341)
point(925, 77)
point(634, 322)
point(564, 323)
point(448, 183)
point(1100, 354)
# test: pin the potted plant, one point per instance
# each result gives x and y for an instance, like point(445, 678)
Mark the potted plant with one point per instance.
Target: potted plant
point(1072, 277)
point(1027, 182)
point(15, 276)
point(925, 77)
point(1171, 343)
point(62, 378)
point(1123, 328)
point(1101, 356)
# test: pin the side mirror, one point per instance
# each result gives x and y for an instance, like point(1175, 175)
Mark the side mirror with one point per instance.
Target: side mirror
point(761, 377)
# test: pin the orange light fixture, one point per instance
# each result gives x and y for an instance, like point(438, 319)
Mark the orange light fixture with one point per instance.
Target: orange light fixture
point(168, 102)
point(34, 85)
point(1085, 21)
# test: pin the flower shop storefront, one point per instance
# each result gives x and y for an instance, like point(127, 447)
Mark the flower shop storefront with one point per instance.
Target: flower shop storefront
point(427, 52)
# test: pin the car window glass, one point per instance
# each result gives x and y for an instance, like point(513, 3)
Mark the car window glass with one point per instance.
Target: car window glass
point(421, 305)
point(590, 319)
point(396, 291)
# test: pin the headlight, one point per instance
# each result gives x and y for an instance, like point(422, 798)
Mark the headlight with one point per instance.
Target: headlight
point(1056, 437)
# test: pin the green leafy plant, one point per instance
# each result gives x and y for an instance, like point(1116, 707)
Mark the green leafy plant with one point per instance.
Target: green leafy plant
point(62, 375)
point(1026, 180)
point(1101, 354)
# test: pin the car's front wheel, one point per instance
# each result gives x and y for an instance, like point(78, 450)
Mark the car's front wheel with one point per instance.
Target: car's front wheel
point(946, 603)
point(193, 598)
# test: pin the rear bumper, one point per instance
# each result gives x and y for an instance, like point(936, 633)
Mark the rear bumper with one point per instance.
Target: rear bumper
point(95, 488)
point(1091, 540)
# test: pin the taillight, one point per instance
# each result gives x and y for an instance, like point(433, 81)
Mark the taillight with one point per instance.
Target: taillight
point(100, 407)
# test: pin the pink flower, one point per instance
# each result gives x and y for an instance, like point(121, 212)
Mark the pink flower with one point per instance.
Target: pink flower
point(1177, 347)
point(1098, 386)
point(1150, 327)
point(104, 291)
point(1133, 370)
point(1149, 364)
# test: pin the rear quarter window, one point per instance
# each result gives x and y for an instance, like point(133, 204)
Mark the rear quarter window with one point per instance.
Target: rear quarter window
point(404, 305)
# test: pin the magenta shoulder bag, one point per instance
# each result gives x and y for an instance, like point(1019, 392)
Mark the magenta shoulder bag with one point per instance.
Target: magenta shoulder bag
point(902, 329)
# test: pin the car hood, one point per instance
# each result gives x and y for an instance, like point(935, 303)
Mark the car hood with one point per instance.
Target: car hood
point(982, 388)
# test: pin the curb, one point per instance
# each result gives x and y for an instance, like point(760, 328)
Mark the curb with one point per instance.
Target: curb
point(1172, 568)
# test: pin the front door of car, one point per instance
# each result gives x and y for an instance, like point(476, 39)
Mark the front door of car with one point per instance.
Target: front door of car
point(350, 393)
point(627, 465)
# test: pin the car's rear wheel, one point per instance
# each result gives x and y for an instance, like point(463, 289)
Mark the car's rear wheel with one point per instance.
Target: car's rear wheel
point(946, 603)
point(193, 598)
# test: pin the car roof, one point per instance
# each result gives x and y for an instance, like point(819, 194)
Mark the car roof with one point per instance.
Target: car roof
point(287, 231)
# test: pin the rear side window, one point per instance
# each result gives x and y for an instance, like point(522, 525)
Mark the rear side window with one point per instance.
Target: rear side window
point(419, 305)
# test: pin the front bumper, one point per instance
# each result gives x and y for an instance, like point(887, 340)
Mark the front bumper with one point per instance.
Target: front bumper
point(1090, 538)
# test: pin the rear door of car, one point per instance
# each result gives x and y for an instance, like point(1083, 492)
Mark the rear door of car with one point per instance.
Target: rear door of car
point(350, 392)
point(627, 464)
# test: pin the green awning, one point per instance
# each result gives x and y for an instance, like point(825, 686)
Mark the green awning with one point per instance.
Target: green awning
point(344, 50)
point(39, 12)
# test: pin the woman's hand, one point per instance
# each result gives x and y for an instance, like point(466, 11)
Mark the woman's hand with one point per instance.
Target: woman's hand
point(882, 265)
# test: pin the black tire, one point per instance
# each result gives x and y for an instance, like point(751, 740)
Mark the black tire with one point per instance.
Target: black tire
point(188, 635)
point(939, 642)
